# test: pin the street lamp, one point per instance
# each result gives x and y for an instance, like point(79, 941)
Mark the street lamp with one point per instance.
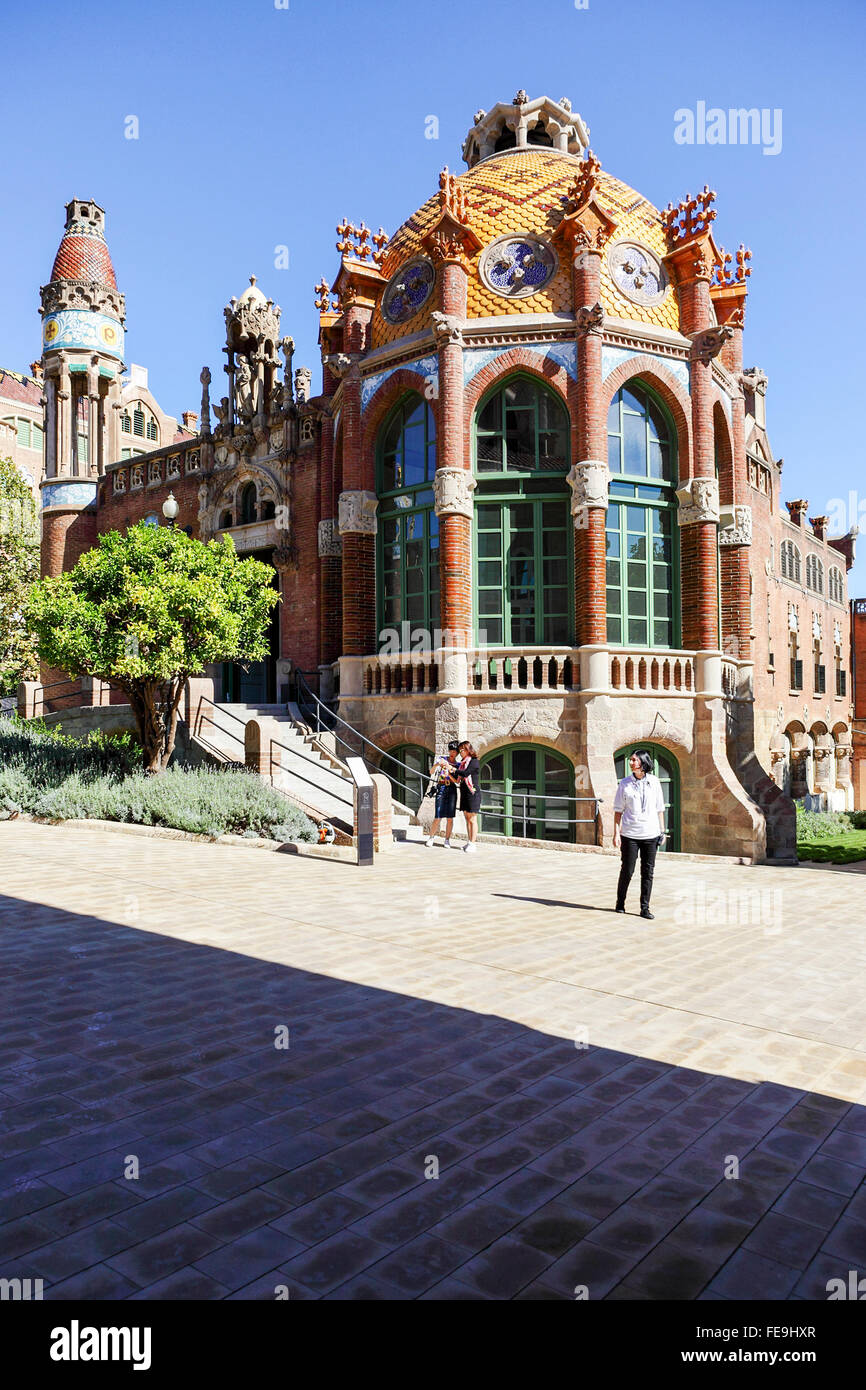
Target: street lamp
point(170, 508)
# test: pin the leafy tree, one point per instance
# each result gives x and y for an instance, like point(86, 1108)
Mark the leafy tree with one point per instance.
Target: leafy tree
point(19, 568)
point(147, 610)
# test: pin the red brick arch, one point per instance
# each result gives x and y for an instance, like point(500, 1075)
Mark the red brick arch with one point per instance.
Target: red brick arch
point(724, 438)
point(664, 383)
point(379, 407)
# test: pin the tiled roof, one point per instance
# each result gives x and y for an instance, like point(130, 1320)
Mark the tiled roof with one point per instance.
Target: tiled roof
point(16, 387)
point(524, 192)
point(83, 255)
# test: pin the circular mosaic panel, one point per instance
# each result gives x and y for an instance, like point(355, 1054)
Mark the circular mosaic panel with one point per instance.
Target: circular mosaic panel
point(517, 266)
point(637, 273)
point(408, 290)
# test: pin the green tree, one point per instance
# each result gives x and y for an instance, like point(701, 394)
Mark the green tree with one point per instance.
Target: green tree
point(147, 610)
point(19, 568)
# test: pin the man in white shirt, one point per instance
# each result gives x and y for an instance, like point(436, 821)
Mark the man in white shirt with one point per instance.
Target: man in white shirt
point(638, 828)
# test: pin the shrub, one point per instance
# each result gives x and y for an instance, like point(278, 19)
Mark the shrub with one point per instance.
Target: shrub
point(46, 773)
point(818, 825)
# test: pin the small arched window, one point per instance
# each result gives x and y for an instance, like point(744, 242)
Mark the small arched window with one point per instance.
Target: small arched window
point(814, 574)
point(791, 562)
point(152, 431)
point(248, 504)
point(226, 521)
point(138, 421)
point(126, 422)
point(836, 585)
point(268, 511)
point(521, 427)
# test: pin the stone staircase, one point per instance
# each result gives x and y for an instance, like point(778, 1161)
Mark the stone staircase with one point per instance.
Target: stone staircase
point(310, 772)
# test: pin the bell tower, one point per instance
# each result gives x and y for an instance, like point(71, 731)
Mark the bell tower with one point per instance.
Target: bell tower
point(83, 316)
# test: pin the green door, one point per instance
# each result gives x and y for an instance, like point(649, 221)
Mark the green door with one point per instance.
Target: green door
point(408, 770)
point(667, 771)
point(528, 793)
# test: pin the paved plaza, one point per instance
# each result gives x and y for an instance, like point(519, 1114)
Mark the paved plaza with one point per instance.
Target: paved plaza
point(226, 1073)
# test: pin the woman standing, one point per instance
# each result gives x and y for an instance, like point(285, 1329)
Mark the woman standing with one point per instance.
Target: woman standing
point(469, 771)
point(639, 828)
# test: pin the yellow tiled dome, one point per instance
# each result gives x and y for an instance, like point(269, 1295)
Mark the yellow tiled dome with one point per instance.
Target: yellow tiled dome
point(523, 192)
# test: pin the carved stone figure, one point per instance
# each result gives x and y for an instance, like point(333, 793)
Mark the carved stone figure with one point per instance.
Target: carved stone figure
point(452, 491)
point(357, 513)
point(447, 328)
point(699, 501)
point(740, 532)
point(589, 485)
point(303, 383)
point(243, 389)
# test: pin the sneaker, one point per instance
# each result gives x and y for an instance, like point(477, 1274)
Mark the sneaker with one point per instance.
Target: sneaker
point(447, 844)
point(431, 840)
point(469, 847)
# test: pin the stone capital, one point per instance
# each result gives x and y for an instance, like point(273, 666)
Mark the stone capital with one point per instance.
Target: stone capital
point(588, 481)
point(357, 513)
point(447, 328)
point(452, 491)
point(699, 501)
point(329, 538)
point(739, 530)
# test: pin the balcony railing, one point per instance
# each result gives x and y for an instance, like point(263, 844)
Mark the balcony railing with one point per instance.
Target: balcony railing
point(515, 668)
point(663, 672)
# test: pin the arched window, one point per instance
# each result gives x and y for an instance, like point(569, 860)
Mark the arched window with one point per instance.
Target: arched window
point(408, 770)
point(814, 574)
point(642, 542)
point(152, 431)
point(666, 769)
point(408, 530)
point(269, 511)
point(521, 427)
point(126, 422)
point(138, 421)
point(836, 585)
point(248, 505)
point(226, 521)
point(791, 562)
point(528, 793)
point(524, 544)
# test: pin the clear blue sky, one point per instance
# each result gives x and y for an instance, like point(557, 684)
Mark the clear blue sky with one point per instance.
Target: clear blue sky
point(262, 127)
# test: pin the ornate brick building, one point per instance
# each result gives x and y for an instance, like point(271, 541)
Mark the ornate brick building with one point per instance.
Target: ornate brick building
point(534, 503)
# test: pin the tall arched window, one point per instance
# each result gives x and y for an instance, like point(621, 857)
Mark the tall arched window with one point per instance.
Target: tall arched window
point(248, 505)
point(814, 574)
point(836, 586)
point(642, 542)
point(523, 534)
point(408, 531)
point(791, 564)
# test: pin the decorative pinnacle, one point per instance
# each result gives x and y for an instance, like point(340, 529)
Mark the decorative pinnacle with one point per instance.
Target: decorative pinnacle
point(323, 302)
point(452, 197)
point(690, 217)
point(354, 242)
point(521, 99)
point(726, 274)
point(584, 184)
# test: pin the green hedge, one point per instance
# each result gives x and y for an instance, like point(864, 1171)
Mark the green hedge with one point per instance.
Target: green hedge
point(818, 825)
point(848, 848)
point(46, 773)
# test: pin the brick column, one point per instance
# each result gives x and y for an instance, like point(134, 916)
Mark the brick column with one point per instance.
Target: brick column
point(330, 550)
point(454, 482)
point(589, 474)
point(357, 504)
point(699, 498)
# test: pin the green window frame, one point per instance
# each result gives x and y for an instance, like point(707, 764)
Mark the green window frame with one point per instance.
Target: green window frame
point(528, 793)
point(521, 427)
point(407, 541)
point(408, 786)
point(524, 571)
point(667, 770)
point(642, 538)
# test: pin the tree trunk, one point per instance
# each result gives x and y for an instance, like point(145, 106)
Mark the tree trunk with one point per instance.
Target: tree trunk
point(174, 696)
point(143, 699)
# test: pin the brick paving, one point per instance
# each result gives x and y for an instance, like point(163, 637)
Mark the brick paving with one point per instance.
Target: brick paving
point(155, 1143)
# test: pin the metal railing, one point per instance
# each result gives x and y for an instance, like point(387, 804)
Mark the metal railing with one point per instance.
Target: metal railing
point(535, 810)
point(325, 719)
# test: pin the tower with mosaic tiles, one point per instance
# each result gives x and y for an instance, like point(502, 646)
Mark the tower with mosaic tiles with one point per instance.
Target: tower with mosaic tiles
point(83, 316)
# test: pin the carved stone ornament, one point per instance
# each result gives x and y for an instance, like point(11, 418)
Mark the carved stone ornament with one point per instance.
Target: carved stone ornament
point(329, 538)
point(709, 342)
point(452, 492)
point(357, 513)
point(590, 318)
point(447, 328)
point(740, 533)
point(699, 501)
point(589, 485)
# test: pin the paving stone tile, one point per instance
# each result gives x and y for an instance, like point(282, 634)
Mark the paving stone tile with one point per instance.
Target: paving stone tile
point(848, 1239)
point(817, 1206)
point(61, 1259)
point(163, 1254)
point(232, 1219)
point(243, 1260)
point(748, 1275)
point(813, 1282)
point(504, 1268)
point(171, 1208)
point(382, 1185)
point(186, 1284)
point(823, 1170)
point(555, 1227)
point(419, 1264)
point(98, 1283)
point(669, 1272)
point(320, 1218)
point(335, 1260)
point(476, 1225)
point(784, 1239)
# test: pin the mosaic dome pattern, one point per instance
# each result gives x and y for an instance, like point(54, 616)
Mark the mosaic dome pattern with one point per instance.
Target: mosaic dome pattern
point(83, 255)
point(521, 194)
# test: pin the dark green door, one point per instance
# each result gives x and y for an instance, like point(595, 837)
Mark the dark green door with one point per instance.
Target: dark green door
point(528, 793)
point(666, 770)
